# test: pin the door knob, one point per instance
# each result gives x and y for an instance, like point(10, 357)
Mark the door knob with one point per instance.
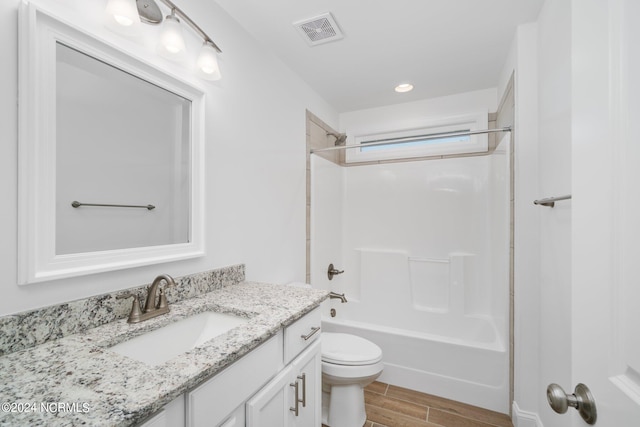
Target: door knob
point(581, 399)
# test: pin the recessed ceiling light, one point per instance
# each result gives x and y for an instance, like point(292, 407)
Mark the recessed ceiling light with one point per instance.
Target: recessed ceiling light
point(404, 87)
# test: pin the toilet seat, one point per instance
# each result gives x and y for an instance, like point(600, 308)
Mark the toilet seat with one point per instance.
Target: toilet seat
point(349, 350)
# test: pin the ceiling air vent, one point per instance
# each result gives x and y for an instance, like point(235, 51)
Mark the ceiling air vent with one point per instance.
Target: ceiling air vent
point(319, 29)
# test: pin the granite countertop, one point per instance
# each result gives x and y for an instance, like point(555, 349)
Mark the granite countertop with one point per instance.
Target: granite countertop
point(77, 380)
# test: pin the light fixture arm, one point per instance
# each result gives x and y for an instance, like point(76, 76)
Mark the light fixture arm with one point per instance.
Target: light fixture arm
point(175, 9)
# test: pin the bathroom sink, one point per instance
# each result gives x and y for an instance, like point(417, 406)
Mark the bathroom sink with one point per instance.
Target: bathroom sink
point(163, 344)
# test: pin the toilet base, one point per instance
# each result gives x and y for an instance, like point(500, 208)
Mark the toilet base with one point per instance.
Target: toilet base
point(345, 406)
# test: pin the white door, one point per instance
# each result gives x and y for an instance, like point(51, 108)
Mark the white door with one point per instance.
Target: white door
point(606, 208)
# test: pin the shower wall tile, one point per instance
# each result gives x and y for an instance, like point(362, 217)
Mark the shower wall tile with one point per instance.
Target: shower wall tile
point(318, 137)
point(492, 137)
point(308, 261)
point(506, 117)
point(31, 328)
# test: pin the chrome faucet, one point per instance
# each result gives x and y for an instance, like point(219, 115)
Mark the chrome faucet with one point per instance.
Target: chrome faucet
point(151, 309)
point(341, 297)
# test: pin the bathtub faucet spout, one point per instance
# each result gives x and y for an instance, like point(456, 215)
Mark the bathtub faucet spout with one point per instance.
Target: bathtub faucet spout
point(341, 297)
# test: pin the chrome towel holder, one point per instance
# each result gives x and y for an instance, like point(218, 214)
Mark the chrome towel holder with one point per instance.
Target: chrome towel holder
point(77, 204)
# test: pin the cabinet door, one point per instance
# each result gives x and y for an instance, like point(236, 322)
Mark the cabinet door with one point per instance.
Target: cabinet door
point(270, 406)
point(236, 419)
point(210, 403)
point(172, 415)
point(308, 373)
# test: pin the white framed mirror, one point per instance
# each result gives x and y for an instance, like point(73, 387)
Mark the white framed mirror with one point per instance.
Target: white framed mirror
point(110, 156)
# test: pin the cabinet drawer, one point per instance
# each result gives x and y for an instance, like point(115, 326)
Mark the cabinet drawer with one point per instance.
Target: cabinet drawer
point(300, 334)
point(210, 403)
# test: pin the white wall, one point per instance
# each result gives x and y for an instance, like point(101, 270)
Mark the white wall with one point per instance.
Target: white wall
point(254, 161)
point(523, 59)
point(542, 60)
point(554, 172)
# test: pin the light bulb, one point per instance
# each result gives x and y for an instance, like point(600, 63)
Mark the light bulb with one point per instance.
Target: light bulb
point(207, 63)
point(122, 16)
point(171, 43)
point(123, 20)
point(173, 47)
point(404, 87)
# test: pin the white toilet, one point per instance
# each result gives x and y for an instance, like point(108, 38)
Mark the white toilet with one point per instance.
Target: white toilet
point(349, 363)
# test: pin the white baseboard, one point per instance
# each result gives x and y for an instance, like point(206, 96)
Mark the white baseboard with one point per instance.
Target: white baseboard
point(522, 418)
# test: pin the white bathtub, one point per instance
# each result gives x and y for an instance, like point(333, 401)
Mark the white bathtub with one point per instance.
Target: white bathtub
point(461, 359)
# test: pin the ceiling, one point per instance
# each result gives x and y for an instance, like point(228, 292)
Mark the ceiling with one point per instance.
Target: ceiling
point(442, 47)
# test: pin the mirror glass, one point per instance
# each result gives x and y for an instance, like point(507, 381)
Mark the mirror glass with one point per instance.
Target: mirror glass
point(120, 141)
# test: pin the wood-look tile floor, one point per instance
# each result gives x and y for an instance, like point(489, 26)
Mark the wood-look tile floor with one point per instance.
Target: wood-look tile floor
point(392, 406)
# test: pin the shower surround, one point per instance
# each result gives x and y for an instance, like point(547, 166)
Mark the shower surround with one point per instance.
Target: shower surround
point(425, 249)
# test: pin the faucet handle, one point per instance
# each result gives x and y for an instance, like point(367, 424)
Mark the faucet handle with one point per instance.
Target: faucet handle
point(162, 301)
point(331, 271)
point(134, 315)
point(127, 295)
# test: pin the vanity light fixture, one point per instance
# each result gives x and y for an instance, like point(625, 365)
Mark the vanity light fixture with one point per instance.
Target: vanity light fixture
point(404, 87)
point(171, 44)
point(207, 64)
point(124, 16)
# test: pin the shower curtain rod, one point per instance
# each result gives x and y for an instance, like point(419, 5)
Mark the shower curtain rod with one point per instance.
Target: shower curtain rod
point(401, 140)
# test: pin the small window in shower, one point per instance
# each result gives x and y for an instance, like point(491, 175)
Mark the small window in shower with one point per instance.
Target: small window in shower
point(433, 139)
point(417, 141)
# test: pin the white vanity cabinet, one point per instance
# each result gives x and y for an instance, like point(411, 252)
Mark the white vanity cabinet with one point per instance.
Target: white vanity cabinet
point(261, 389)
point(171, 415)
point(293, 397)
point(214, 402)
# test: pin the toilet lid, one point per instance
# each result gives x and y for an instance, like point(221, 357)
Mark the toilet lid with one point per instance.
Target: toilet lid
point(347, 349)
